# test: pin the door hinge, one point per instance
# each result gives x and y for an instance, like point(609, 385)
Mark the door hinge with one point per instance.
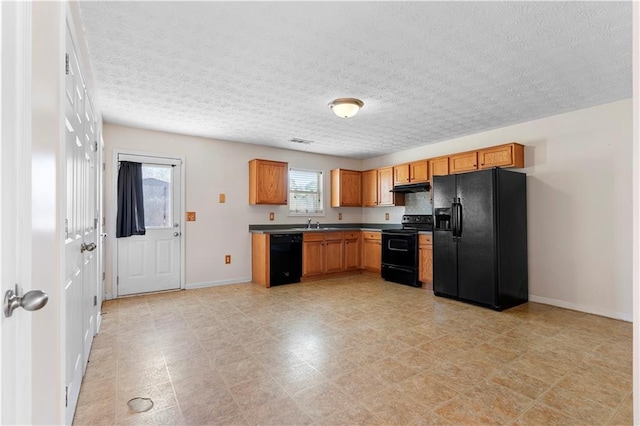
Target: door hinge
point(66, 228)
point(95, 223)
point(66, 396)
point(104, 166)
point(117, 280)
point(95, 300)
point(96, 146)
point(66, 63)
point(103, 276)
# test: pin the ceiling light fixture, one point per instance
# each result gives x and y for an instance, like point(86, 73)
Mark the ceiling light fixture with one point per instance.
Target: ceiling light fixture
point(346, 107)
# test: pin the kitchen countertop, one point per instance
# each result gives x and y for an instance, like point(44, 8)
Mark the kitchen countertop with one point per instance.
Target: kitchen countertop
point(299, 228)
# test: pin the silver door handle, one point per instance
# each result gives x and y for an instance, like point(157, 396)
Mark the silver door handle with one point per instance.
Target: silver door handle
point(176, 234)
point(87, 247)
point(31, 301)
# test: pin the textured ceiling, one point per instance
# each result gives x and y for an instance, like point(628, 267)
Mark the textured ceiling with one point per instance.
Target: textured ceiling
point(264, 72)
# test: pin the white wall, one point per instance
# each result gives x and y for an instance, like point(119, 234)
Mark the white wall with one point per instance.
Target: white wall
point(213, 167)
point(579, 177)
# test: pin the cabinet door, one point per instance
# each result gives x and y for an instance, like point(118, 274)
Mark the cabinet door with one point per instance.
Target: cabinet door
point(312, 258)
point(465, 162)
point(425, 266)
point(372, 255)
point(350, 188)
point(334, 255)
point(401, 174)
point(352, 251)
point(385, 184)
point(267, 182)
point(418, 171)
point(346, 188)
point(370, 188)
point(438, 167)
point(511, 155)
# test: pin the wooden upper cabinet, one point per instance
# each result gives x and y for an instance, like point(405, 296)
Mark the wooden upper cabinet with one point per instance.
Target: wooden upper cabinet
point(464, 162)
point(346, 188)
point(385, 185)
point(509, 155)
point(438, 167)
point(419, 171)
point(401, 174)
point(267, 182)
point(370, 188)
point(411, 172)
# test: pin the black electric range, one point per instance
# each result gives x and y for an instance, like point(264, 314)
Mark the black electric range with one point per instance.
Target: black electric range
point(400, 250)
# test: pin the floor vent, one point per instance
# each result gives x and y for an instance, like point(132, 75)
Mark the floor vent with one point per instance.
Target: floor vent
point(140, 405)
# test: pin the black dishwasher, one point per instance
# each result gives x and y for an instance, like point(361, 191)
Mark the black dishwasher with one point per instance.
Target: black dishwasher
point(285, 258)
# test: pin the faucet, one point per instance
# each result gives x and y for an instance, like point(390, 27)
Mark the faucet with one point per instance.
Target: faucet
point(309, 223)
point(317, 225)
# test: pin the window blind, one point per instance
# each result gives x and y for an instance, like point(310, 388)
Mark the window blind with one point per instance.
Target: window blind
point(305, 192)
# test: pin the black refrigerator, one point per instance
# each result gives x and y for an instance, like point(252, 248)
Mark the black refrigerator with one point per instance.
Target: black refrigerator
point(480, 238)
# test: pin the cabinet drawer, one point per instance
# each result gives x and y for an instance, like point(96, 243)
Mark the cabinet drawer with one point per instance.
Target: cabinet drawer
point(367, 235)
point(313, 236)
point(424, 239)
point(350, 235)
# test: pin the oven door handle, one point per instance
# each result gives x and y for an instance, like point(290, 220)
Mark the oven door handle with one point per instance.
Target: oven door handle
point(396, 249)
point(400, 234)
point(400, 268)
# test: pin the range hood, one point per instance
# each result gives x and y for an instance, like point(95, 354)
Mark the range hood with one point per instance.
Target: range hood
point(412, 187)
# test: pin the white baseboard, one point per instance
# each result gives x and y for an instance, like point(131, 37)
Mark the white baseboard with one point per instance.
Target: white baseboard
point(98, 322)
point(582, 308)
point(244, 280)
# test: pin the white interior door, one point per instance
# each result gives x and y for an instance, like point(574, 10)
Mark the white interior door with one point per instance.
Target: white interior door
point(152, 262)
point(15, 210)
point(80, 227)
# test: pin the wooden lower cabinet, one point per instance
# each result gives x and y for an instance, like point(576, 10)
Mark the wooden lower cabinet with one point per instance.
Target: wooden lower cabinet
point(372, 251)
point(425, 255)
point(312, 255)
point(322, 252)
point(334, 253)
point(351, 250)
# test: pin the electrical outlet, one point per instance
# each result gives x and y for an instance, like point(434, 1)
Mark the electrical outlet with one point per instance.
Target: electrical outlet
point(223, 198)
point(386, 216)
point(191, 216)
point(339, 216)
point(272, 216)
point(227, 259)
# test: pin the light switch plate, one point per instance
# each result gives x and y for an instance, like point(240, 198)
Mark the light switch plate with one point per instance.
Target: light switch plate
point(191, 216)
point(339, 216)
point(386, 216)
point(227, 259)
point(223, 198)
point(272, 216)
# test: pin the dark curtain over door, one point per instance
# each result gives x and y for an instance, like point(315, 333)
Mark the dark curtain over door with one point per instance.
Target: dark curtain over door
point(130, 219)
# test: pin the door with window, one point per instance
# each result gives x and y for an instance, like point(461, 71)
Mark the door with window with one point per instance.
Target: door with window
point(152, 262)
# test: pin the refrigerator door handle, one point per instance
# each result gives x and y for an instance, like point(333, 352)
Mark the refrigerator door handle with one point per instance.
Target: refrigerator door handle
point(454, 218)
point(459, 218)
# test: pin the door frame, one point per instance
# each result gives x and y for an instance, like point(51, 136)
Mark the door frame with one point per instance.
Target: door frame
point(182, 212)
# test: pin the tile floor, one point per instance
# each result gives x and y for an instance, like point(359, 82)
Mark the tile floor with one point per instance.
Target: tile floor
point(354, 350)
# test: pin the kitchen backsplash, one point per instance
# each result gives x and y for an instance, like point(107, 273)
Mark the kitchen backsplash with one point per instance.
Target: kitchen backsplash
point(418, 203)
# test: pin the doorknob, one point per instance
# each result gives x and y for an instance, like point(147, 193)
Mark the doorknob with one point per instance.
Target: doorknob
point(175, 234)
point(31, 301)
point(87, 247)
